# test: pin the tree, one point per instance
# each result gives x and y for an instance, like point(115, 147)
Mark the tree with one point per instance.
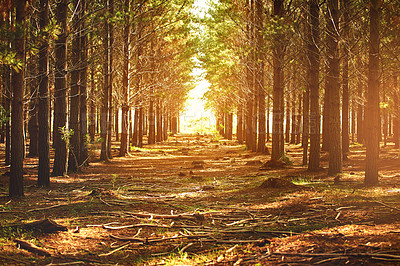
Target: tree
point(16, 188)
point(83, 126)
point(313, 83)
point(372, 112)
point(44, 99)
point(333, 89)
point(60, 92)
point(105, 91)
point(259, 19)
point(278, 83)
point(125, 80)
point(345, 78)
point(74, 104)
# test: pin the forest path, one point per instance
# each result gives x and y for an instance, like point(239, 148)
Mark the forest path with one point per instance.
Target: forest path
point(207, 197)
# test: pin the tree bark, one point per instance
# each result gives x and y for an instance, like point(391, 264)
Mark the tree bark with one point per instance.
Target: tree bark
point(396, 113)
point(110, 78)
point(33, 127)
point(16, 188)
point(259, 20)
point(60, 92)
point(345, 79)
point(44, 99)
point(125, 82)
point(74, 104)
point(372, 113)
point(83, 115)
point(333, 89)
point(278, 72)
point(105, 94)
point(313, 72)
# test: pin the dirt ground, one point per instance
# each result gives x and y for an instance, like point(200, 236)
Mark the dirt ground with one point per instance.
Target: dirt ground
point(198, 200)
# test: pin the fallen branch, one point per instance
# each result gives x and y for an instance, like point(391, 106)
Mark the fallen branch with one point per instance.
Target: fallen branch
point(46, 208)
point(367, 255)
point(115, 250)
point(194, 216)
point(31, 248)
point(388, 206)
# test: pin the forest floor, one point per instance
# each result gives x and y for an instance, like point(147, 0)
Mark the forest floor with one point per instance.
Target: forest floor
point(197, 200)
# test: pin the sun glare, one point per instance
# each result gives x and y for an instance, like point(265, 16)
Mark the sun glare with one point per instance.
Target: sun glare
point(195, 118)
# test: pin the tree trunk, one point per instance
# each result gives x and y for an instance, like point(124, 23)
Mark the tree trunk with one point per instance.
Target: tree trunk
point(313, 75)
point(333, 89)
point(125, 82)
point(396, 113)
point(110, 78)
point(294, 127)
point(105, 94)
point(259, 20)
point(60, 92)
point(372, 113)
point(306, 124)
point(7, 108)
point(298, 118)
point(159, 121)
point(278, 72)
point(140, 127)
point(16, 188)
point(92, 100)
point(239, 129)
point(287, 119)
point(345, 80)
point(44, 99)
point(33, 127)
point(83, 147)
point(74, 106)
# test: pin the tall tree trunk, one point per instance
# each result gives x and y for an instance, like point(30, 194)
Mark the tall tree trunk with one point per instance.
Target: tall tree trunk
point(278, 89)
point(306, 124)
point(44, 99)
point(74, 104)
point(105, 93)
point(372, 113)
point(16, 188)
point(92, 99)
point(333, 89)
point(7, 107)
point(345, 79)
point(60, 92)
point(288, 116)
point(259, 20)
point(159, 121)
point(360, 102)
point(325, 118)
point(125, 82)
point(83, 152)
point(298, 118)
point(313, 72)
point(140, 126)
point(250, 78)
point(152, 119)
point(110, 78)
point(293, 130)
point(33, 127)
point(396, 113)
point(239, 128)
point(116, 123)
point(353, 119)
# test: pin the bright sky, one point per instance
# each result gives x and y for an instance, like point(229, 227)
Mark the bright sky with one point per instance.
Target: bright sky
point(195, 118)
